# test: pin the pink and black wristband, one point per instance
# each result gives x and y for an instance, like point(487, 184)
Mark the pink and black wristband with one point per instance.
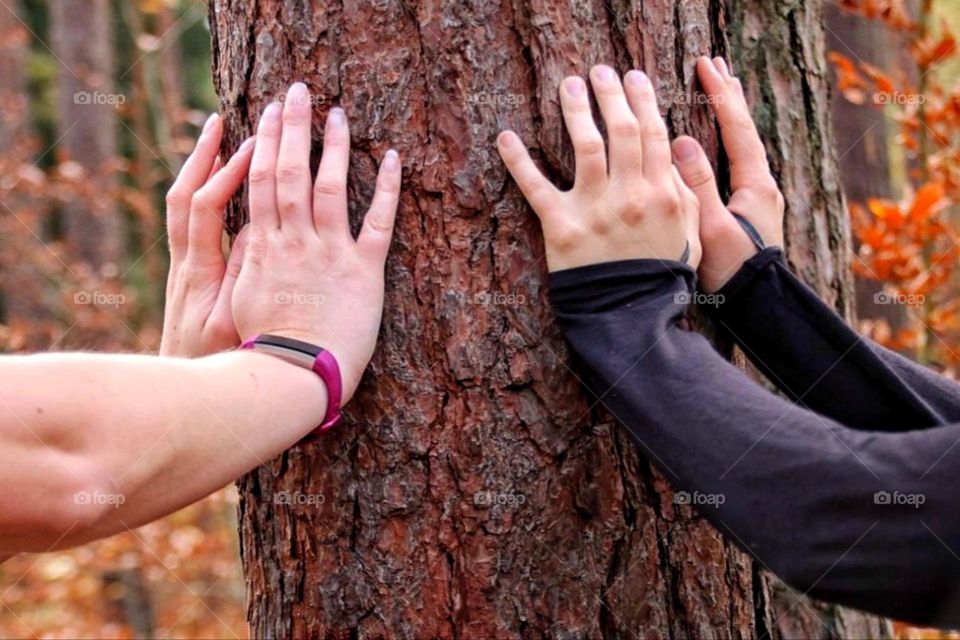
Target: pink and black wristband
point(308, 356)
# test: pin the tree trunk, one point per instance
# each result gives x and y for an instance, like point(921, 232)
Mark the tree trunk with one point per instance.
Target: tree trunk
point(475, 491)
point(862, 137)
point(87, 124)
point(13, 99)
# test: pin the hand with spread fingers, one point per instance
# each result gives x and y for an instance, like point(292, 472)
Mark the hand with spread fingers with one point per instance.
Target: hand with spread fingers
point(303, 276)
point(756, 196)
point(630, 206)
point(197, 317)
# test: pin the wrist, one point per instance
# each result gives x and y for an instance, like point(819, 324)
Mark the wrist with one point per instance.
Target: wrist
point(311, 357)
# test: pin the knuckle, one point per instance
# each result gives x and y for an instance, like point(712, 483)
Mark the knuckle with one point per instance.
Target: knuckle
point(666, 202)
point(176, 199)
point(599, 223)
point(579, 107)
point(633, 212)
point(768, 190)
point(590, 147)
point(256, 248)
point(296, 115)
point(328, 187)
point(743, 121)
point(290, 172)
point(233, 268)
point(698, 177)
point(628, 128)
point(565, 237)
point(656, 133)
point(390, 187)
point(261, 174)
point(377, 222)
point(199, 201)
point(781, 203)
point(534, 189)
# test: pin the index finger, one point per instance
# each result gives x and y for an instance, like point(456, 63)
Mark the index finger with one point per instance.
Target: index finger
point(748, 157)
point(533, 185)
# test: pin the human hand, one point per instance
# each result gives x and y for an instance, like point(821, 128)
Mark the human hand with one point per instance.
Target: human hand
point(303, 276)
point(197, 316)
point(756, 196)
point(637, 207)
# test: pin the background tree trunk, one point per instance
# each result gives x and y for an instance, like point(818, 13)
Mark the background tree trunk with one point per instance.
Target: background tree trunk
point(862, 136)
point(475, 491)
point(13, 100)
point(87, 123)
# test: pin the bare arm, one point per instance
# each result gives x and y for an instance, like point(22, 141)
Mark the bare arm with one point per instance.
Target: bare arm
point(98, 444)
point(91, 445)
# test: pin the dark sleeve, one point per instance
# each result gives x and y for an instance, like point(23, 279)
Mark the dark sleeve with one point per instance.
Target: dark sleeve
point(865, 519)
point(818, 360)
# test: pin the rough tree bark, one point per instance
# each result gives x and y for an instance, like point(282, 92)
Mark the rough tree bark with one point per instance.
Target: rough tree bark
point(87, 123)
point(475, 490)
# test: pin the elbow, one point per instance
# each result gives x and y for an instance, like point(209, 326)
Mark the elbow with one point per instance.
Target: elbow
point(68, 510)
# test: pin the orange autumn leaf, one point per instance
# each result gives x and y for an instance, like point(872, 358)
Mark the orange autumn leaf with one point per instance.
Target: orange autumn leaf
point(929, 53)
point(849, 81)
point(882, 81)
point(928, 202)
point(886, 210)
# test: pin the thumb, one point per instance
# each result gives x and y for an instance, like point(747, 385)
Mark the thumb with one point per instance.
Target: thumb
point(697, 174)
point(222, 307)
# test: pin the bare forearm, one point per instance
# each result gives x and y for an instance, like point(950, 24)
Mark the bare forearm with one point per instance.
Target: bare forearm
point(116, 441)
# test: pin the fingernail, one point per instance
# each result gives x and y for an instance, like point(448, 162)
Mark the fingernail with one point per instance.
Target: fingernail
point(272, 112)
point(337, 117)
point(637, 78)
point(685, 150)
point(574, 86)
point(505, 139)
point(298, 94)
point(603, 72)
point(246, 144)
point(391, 160)
point(209, 123)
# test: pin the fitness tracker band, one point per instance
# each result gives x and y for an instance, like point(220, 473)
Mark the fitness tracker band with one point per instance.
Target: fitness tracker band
point(308, 356)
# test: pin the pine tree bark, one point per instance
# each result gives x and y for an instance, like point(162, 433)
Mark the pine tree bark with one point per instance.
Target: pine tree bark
point(475, 491)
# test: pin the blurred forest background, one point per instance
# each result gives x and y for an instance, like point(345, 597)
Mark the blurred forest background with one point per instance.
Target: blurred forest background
point(100, 101)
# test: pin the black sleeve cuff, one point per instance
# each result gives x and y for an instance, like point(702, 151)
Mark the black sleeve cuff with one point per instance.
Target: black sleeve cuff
point(750, 271)
point(625, 283)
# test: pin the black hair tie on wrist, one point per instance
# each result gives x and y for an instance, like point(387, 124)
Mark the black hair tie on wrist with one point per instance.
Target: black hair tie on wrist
point(686, 253)
point(751, 231)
